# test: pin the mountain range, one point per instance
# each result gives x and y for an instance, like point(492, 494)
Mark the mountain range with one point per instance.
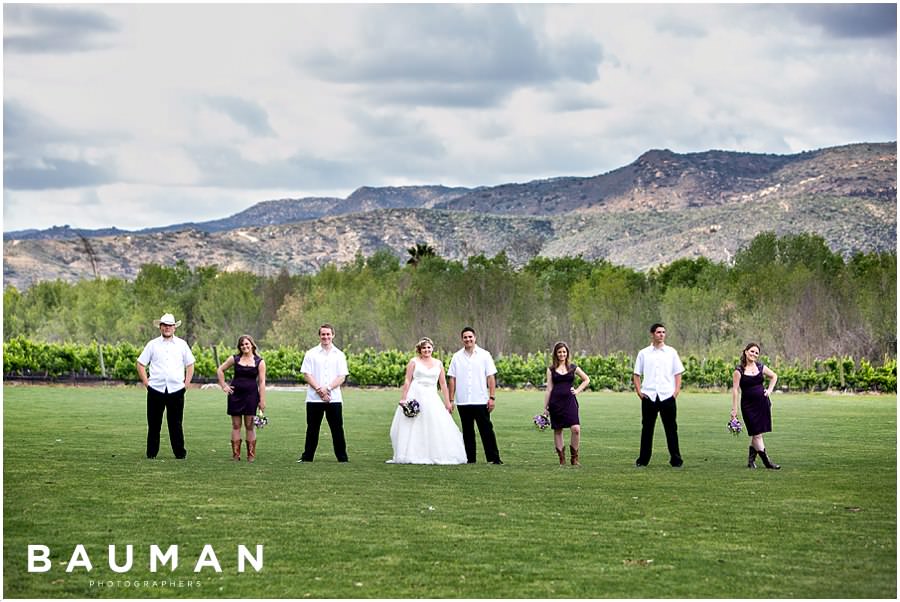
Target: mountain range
point(659, 208)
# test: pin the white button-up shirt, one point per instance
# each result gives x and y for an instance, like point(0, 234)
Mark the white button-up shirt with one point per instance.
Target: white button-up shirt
point(471, 372)
point(657, 367)
point(324, 368)
point(167, 359)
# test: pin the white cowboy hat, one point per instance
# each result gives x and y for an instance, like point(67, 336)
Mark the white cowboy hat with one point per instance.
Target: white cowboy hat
point(167, 319)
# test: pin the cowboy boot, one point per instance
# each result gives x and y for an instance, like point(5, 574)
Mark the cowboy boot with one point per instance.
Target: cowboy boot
point(751, 458)
point(562, 456)
point(769, 464)
point(574, 452)
point(251, 450)
point(236, 450)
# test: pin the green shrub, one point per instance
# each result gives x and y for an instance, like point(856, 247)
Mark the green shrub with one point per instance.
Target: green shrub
point(23, 357)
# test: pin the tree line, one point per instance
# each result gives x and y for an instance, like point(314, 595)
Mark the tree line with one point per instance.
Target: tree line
point(792, 295)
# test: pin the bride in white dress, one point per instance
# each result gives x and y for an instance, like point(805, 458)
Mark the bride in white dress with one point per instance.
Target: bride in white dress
point(432, 437)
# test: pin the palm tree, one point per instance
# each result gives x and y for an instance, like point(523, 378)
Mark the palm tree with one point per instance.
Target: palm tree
point(419, 252)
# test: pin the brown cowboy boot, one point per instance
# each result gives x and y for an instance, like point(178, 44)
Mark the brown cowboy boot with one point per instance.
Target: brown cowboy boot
point(236, 450)
point(562, 456)
point(251, 450)
point(574, 453)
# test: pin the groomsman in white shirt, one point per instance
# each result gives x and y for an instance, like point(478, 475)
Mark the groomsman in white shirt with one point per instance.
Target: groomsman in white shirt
point(324, 368)
point(171, 366)
point(661, 369)
point(471, 383)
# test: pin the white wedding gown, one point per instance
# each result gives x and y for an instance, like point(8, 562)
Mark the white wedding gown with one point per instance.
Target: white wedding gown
point(432, 437)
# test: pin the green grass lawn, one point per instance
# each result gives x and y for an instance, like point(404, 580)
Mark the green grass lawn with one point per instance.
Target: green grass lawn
point(822, 527)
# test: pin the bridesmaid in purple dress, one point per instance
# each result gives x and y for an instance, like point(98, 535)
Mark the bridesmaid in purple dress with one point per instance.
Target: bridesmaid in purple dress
point(246, 393)
point(561, 404)
point(756, 407)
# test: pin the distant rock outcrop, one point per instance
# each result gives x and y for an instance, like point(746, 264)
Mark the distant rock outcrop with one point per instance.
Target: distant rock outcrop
point(662, 207)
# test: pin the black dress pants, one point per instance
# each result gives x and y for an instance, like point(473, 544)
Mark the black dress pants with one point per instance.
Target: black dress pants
point(469, 416)
point(666, 410)
point(172, 404)
point(333, 413)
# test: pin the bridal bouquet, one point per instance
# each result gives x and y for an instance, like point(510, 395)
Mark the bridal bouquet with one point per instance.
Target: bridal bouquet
point(734, 426)
point(541, 422)
point(410, 408)
point(260, 419)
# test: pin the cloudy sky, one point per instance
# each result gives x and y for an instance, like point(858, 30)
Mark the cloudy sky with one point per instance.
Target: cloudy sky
point(145, 115)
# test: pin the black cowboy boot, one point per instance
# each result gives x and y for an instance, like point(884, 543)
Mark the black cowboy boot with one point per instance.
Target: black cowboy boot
point(751, 458)
point(765, 458)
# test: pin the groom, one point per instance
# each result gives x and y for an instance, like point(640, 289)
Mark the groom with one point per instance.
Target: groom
point(471, 380)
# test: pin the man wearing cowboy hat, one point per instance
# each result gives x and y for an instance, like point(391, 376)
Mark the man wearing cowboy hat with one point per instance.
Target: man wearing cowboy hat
point(171, 369)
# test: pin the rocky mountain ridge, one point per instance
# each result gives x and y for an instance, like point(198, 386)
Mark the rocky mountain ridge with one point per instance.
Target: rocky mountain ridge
point(657, 180)
point(659, 208)
point(279, 211)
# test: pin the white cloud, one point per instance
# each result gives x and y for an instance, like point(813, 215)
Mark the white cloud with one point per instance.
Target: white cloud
point(128, 115)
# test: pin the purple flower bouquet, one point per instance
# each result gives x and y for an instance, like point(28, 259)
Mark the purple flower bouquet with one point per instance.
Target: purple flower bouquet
point(734, 426)
point(541, 422)
point(410, 408)
point(260, 419)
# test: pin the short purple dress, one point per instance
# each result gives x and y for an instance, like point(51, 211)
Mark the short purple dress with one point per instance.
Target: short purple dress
point(563, 405)
point(245, 399)
point(756, 408)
